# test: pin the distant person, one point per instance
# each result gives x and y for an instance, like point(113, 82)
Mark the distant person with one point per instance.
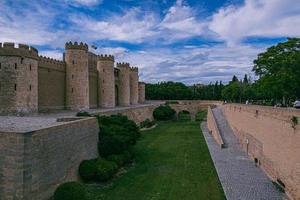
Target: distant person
point(247, 102)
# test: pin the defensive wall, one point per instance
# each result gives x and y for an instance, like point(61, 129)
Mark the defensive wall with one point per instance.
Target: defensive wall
point(271, 136)
point(40, 152)
point(213, 128)
point(83, 80)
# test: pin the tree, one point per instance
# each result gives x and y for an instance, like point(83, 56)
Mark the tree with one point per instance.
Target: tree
point(279, 70)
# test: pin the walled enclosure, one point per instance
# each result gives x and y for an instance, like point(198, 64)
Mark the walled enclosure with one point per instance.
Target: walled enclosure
point(83, 80)
point(35, 161)
point(270, 137)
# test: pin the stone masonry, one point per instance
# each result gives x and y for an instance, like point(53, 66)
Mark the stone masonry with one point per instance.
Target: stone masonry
point(83, 80)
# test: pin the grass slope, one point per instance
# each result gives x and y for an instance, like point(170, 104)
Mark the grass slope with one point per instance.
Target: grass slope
point(172, 162)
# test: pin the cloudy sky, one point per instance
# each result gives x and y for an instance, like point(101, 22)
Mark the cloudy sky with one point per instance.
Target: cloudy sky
point(192, 41)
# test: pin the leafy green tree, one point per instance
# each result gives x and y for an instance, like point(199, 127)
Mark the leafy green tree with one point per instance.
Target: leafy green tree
point(279, 70)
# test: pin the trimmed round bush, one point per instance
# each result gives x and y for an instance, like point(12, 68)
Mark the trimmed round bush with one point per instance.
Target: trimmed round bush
point(97, 169)
point(117, 133)
point(70, 191)
point(105, 170)
point(88, 169)
point(164, 112)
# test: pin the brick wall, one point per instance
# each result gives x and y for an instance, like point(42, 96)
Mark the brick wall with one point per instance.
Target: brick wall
point(34, 163)
point(271, 140)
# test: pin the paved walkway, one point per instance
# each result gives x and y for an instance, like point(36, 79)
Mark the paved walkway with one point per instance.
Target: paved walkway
point(240, 179)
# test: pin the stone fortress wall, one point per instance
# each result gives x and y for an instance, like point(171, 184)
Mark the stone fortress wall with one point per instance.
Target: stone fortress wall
point(83, 80)
point(271, 138)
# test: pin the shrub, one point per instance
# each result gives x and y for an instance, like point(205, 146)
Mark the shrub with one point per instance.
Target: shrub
point(117, 158)
point(83, 114)
point(117, 133)
point(70, 191)
point(87, 169)
point(105, 170)
point(200, 116)
point(184, 116)
point(97, 169)
point(163, 112)
point(147, 124)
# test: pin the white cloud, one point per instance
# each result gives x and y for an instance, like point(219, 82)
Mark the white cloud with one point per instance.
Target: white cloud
point(86, 2)
point(192, 65)
point(257, 18)
point(181, 21)
point(134, 26)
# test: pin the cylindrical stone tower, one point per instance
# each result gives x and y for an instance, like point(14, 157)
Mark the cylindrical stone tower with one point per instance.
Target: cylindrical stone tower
point(124, 84)
point(134, 85)
point(141, 92)
point(106, 88)
point(77, 76)
point(18, 78)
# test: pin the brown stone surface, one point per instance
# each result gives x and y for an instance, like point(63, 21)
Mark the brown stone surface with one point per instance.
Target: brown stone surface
point(18, 84)
point(134, 85)
point(271, 139)
point(106, 82)
point(124, 84)
point(34, 163)
point(77, 79)
point(141, 95)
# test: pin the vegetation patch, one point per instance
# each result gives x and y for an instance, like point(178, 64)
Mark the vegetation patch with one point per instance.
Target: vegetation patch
point(70, 191)
point(201, 116)
point(163, 113)
point(172, 161)
point(184, 116)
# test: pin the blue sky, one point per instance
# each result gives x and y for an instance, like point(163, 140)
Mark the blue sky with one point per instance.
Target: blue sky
point(193, 41)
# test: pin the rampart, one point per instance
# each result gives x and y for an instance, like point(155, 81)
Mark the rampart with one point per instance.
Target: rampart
point(44, 151)
point(35, 161)
point(213, 127)
point(51, 84)
point(271, 136)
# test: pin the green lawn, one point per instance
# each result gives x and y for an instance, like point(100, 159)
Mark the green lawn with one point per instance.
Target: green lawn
point(172, 163)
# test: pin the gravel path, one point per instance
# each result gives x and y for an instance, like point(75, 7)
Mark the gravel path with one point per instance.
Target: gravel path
point(240, 178)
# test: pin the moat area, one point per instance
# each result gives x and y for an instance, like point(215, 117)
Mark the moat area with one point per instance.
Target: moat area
point(172, 162)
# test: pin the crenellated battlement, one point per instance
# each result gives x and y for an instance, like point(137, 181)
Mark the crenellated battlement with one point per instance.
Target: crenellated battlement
point(134, 69)
point(50, 60)
point(76, 45)
point(106, 57)
point(123, 64)
point(22, 50)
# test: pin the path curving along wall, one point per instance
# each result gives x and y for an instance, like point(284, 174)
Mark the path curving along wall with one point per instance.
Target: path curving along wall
point(270, 137)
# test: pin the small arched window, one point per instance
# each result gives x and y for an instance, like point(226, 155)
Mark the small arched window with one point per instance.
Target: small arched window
point(30, 67)
point(73, 62)
point(15, 87)
point(0, 65)
point(16, 65)
point(22, 59)
point(30, 87)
